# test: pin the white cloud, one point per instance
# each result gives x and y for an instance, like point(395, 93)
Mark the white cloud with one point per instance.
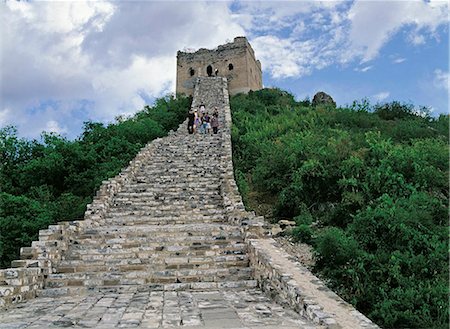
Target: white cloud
point(334, 32)
point(441, 79)
point(5, 117)
point(373, 23)
point(279, 57)
point(398, 60)
point(364, 69)
point(381, 96)
point(144, 77)
point(416, 39)
point(111, 55)
point(293, 40)
point(57, 118)
point(54, 127)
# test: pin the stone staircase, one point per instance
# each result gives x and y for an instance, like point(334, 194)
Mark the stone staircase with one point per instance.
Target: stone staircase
point(169, 243)
point(167, 228)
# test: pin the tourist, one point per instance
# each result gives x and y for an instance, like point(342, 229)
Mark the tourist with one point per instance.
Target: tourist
point(215, 122)
point(202, 124)
point(191, 122)
point(207, 123)
point(197, 121)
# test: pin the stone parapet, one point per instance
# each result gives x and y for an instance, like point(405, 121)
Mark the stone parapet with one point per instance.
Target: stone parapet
point(292, 283)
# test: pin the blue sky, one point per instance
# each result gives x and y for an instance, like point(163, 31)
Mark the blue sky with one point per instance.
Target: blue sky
point(66, 62)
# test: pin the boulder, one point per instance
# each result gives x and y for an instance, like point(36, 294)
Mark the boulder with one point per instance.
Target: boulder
point(322, 98)
point(286, 223)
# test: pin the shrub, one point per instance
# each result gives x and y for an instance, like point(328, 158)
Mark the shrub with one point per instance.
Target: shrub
point(302, 233)
point(375, 187)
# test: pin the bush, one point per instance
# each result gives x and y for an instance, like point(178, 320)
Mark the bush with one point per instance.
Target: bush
point(302, 233)
point(394, 110)
point(373, 180)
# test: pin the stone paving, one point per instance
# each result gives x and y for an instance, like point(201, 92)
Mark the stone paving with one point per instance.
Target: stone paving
point(248, 308)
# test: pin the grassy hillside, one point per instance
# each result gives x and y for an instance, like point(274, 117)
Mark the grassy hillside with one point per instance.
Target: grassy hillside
point(43, 182)
point(368, 188)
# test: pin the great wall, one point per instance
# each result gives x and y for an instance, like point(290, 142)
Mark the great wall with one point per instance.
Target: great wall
point(168, 243)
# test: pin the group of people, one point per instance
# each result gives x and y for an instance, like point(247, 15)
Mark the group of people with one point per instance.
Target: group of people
point(201, 122)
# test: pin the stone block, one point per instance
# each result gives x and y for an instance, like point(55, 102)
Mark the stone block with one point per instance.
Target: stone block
point(6, 291)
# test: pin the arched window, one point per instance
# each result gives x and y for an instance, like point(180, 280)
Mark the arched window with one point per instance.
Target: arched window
point(230, 67)
point(209, 70)
point(191, 72)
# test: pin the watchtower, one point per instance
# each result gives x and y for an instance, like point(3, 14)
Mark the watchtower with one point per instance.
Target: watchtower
point(235, 60)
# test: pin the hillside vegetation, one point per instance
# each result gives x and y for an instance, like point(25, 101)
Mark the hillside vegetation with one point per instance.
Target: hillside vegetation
point(43, 182)
point(368, 189)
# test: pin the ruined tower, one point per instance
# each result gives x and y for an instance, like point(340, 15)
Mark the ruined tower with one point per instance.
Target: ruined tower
point(235, 60)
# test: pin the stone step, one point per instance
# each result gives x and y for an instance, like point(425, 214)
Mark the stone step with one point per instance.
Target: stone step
point(168, 210)
point(206, 172)
point(173, 204)
point(159, 261)
point(189, 194)
point(196, 247)
point(147, 181)
point(176, 146)
point(165, 218)
point(162, 221)
point(149, 191)
point(156, 195)
point(142, 277)
point(189, 145)
point(205, 286)
point(191, 229)
point(131, 240)
point(175, 188)
point(190, 165)
point(167, 201)
point(187, 209)
point(186, 161)
point(148, 252)
point(119, 237)
point(149, 197)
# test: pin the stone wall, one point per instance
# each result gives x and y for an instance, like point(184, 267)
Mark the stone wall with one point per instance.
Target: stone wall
point(243, 75)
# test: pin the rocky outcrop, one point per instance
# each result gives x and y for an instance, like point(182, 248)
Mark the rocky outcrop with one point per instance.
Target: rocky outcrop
point(322, 98)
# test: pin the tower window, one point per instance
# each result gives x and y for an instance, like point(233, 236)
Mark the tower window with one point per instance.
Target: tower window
point(209, 70)
point(230, 67)
point(191, 72)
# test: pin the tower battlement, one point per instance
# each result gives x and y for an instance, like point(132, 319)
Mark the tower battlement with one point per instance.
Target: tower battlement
point(235, 61)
